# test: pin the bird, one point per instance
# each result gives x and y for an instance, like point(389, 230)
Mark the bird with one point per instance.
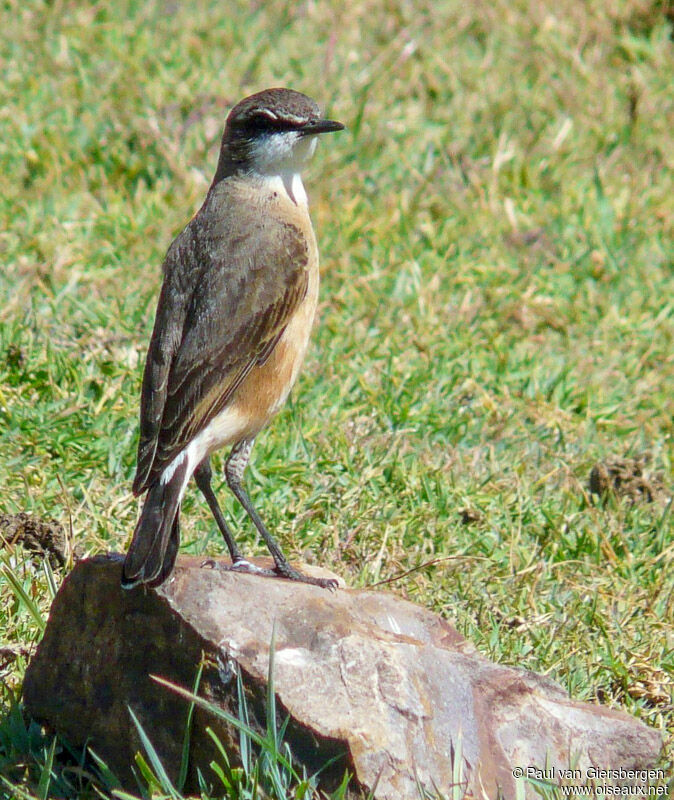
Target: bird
point(231, 329)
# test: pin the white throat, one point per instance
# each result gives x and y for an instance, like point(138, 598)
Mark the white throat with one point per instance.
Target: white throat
point(286, 184)
point(295, 188)
point(279, 159)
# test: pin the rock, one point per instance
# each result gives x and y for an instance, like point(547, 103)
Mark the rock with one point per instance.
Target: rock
point(388, 688)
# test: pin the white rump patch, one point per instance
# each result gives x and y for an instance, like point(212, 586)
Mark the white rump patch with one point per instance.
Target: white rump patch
point(226, 428)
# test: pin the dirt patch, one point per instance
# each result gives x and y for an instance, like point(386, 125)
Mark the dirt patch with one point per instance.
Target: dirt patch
point(44, 537)
point(626, 477)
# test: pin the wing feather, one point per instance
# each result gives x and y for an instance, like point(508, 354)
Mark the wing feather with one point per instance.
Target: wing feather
point(229, 292)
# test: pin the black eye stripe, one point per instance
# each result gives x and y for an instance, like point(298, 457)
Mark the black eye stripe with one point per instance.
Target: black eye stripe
point(262, 122)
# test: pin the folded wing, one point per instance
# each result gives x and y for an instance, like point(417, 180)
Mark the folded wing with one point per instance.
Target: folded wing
point(229, 292)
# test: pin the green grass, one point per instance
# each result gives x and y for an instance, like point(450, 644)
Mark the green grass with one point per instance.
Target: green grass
point(496, 305)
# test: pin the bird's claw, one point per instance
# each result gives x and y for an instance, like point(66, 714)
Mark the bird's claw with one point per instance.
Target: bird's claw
point(279, 571)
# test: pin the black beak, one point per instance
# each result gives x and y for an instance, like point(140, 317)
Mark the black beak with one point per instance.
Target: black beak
point(321, 126)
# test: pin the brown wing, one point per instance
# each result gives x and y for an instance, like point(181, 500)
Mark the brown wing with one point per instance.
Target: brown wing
point(229, 291)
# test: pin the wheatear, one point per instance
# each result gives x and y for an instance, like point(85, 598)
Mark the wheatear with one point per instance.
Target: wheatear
point(232, 325)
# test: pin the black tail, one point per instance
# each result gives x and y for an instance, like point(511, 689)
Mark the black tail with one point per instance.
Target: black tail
point(154, 546)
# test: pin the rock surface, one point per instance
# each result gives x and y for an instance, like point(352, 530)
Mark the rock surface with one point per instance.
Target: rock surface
point(387, 687)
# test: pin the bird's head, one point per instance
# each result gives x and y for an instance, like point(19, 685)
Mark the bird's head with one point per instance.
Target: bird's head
point(272, 132)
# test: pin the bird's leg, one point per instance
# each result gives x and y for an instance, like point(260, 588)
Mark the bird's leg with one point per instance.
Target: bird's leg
point(234, 469)
point(203, 476)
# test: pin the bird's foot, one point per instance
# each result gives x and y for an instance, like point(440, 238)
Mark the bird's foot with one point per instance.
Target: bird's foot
point(240, 565)
point(292, 574)
point(279, 571)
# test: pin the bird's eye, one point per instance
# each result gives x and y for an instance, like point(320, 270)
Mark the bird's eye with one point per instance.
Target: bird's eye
point(263, 122)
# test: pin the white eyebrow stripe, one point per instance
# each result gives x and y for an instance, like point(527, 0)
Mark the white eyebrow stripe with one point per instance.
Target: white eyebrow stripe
point(293, 119)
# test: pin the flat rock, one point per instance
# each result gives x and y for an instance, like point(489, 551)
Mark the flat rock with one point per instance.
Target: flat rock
point(388, 689)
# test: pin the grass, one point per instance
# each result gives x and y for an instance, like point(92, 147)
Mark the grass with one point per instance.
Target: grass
point(496, 306)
